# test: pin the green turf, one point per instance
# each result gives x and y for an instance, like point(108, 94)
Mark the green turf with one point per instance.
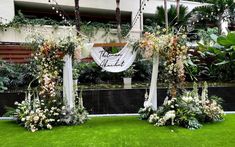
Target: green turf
point(120, 131)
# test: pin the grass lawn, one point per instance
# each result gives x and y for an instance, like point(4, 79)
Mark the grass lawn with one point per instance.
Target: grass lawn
point(120, 131)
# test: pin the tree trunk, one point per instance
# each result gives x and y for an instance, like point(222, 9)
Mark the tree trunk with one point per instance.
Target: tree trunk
point(219, 23)
point(177, 9)
point(77, 16)
point(118, 18)
point(166, 15)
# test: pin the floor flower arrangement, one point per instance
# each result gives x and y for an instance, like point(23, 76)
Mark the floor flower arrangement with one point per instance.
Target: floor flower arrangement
point(43, 106)
point(183, 108)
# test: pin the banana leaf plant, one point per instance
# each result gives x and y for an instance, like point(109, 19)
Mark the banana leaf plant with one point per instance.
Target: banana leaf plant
point(224, 52)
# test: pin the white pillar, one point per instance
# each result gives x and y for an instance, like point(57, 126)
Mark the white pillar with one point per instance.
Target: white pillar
point(137, 22)
point(68, 82)
point(7, 11)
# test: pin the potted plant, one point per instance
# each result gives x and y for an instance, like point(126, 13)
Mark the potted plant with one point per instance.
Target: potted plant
point(128, 74)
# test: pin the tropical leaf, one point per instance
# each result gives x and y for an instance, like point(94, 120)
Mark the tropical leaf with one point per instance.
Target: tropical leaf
point(222, 63)
point(227, 41)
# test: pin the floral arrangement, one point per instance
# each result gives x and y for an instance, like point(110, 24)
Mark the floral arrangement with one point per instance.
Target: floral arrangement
point(78, 114)
point(173, 52)
point(45, 109)
point(35, 114)
point(153, 44)
point(48, 56)
point(188, 110)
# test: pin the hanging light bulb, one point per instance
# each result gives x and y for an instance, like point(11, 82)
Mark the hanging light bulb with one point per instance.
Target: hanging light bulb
point(62, 17)
point(60, 14)
point(57, 11)
point(53, 8)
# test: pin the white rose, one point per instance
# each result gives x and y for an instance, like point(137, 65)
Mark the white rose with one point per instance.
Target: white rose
point(49, 126)
point(35, 118)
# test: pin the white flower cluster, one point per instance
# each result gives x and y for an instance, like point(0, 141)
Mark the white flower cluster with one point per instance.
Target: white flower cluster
point(35, 114)
point(188, 110)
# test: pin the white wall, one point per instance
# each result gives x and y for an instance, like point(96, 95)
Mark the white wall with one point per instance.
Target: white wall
point(7, 11)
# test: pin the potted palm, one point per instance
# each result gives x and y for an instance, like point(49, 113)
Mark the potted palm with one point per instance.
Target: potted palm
point(128, 74)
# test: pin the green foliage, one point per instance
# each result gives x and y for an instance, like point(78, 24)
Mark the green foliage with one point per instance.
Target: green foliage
point(214, 60)
point(129, 72)
point(2, 86)
point(225, 53)
point(9, 112)
point(15, 76)
point(88, 28)
point(174, 22)
point(215, 12)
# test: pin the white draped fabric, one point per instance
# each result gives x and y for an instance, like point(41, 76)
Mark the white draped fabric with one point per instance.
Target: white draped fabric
point(68, 82)
point(86, 50)
point(153, 87)
point(117, 62)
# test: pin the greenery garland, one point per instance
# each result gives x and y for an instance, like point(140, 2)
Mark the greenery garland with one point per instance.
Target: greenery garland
point(88, 28)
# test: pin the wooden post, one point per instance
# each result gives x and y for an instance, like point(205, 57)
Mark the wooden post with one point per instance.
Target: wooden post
point(118, 18)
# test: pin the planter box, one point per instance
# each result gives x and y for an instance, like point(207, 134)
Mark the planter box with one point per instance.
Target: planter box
point(118, 101)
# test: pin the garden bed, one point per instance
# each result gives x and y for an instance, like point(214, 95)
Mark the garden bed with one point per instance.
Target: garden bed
point(116, 100)
point(121, 131)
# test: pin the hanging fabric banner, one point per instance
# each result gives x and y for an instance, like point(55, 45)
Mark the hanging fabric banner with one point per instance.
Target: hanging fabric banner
point(117, 62)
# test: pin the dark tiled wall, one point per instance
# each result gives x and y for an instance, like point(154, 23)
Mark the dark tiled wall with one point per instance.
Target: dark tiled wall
point(122, 100)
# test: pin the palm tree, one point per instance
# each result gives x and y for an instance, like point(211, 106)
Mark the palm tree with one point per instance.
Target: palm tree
point(77, 15)
point(118, 18)
point(166, 16)
point(216, 12)
point(174, 20)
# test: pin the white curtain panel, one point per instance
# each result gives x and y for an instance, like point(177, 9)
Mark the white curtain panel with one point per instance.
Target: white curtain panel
point(68, 82)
